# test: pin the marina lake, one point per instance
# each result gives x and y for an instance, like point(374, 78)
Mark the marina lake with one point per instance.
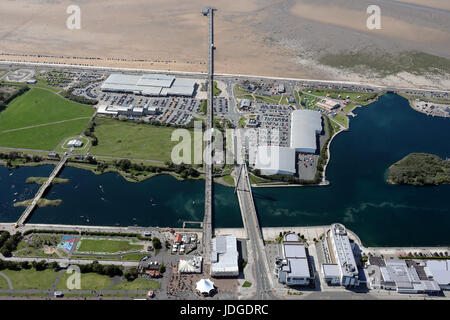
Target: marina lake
point(358, 195)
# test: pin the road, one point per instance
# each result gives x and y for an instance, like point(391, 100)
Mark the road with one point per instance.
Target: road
point(74, 261)
point(258, 261)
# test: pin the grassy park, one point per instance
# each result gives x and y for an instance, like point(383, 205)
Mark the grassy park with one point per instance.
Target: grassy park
point(40, 119)
point(31, 279)
point(109, 246)
point(133, 140)
point(89, 281)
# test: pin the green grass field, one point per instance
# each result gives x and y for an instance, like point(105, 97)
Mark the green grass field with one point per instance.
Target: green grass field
point(107, 245)
point(89, 281)
point(353, 95)
point(133, 140)
point(42, 138)
point(228, 179)
point(3, 284)
point(343, 120)
point(216, 91)
point(35, 120)
point(138, 284)
point(31, 279)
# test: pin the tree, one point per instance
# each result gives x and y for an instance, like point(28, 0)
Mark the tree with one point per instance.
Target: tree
point(156, 243)
point(131, 274)
point(162, 268)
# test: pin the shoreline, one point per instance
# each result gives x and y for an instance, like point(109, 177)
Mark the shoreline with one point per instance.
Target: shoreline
point(413, 106)
point(204, 74)
point(269, 233)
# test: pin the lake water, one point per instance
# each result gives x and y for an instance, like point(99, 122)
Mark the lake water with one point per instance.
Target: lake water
point(381, 214)
point(109, 199)
point(13, 187)
point(358, 196)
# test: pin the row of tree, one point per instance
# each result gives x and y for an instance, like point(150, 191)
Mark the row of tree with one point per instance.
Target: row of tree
point(89, 132)
point(6, 98)
point(83, 100)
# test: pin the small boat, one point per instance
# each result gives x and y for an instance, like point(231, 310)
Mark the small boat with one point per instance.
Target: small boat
point(87, 220)
point(16, 193)
point(11, 174)
point(81, 216)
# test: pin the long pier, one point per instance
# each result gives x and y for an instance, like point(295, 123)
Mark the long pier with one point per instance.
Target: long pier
point(209, 203)
point(31, 206)
point(258, 259)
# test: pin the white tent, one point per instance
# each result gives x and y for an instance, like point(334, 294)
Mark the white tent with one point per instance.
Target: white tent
point(205, 286)
point(185, 266)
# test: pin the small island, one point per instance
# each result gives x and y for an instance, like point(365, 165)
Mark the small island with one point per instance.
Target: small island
point(41, 203)
point(420, 169)
point(42, 180)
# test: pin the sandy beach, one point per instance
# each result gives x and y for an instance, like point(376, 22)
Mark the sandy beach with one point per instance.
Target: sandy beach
point(266, 37)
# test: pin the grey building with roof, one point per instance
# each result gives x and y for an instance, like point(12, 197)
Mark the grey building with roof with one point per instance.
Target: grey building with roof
point(224, 257)
point(305, 126)
point(149, 85)
point(294, 268)
point(339, 267)
point(439, 271)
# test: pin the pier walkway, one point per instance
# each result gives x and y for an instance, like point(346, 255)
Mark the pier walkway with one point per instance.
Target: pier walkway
point(32, 205)
point(209, 203)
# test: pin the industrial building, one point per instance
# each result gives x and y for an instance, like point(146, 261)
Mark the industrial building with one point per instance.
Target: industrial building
point(293, 268)
point(305, 126)
point(408, 276)
point(439, 271)
point(130, 110)
point(340, 266)
point(404, 278)
point(275, 160)
point(224, 257)
point(150, 85)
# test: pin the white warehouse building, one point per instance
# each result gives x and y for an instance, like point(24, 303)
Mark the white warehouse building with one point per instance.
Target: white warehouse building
point(294, 268)
point(305, 125)
point(149, 85)
point(275, 160)
point(224, 257)
point(341, 269)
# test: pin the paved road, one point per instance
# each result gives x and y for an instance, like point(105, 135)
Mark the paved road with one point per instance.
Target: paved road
point(43, 124)
point(7, 280)
point(75, 261)
point(259, 262)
